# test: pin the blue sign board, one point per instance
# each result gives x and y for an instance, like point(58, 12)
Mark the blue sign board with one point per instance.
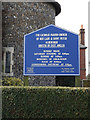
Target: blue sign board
point(51, 51)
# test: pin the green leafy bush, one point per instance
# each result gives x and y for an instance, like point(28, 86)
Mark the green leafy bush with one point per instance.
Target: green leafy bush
point(26, 80)
point(12, 81)
point(86, 83)
point(77, 81)
point(45, 102)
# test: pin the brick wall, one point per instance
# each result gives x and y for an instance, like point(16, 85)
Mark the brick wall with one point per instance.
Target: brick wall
point(82, 54)
point(82, 64)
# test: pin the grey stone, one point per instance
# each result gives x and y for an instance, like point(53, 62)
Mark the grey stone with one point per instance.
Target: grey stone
point(21, 18)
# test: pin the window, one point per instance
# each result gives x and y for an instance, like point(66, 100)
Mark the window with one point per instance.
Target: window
point(7, 66)
point(7, 61)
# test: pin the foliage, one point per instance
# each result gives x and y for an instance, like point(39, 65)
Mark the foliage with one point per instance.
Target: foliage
point(12, 81)
point(77, 81)
point(86, 83)
point(88, 76)
point(45, 102)
point(26, 80)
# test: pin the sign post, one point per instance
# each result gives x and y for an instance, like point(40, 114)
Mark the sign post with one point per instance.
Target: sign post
point(51, 51)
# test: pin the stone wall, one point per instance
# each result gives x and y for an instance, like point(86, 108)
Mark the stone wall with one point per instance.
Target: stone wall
point(0, 59)
point(22, 18)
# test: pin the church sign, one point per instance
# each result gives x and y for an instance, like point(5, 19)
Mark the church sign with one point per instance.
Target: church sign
point(51, 51)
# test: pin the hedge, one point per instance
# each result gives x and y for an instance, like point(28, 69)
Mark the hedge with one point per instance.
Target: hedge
point(86, 83)
point(45, 102)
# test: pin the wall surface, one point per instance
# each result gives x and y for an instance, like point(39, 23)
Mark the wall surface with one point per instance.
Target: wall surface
point(19, 19)
point(82, 64)
point(89, 36)
point(0, 60)
point(0, 41)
